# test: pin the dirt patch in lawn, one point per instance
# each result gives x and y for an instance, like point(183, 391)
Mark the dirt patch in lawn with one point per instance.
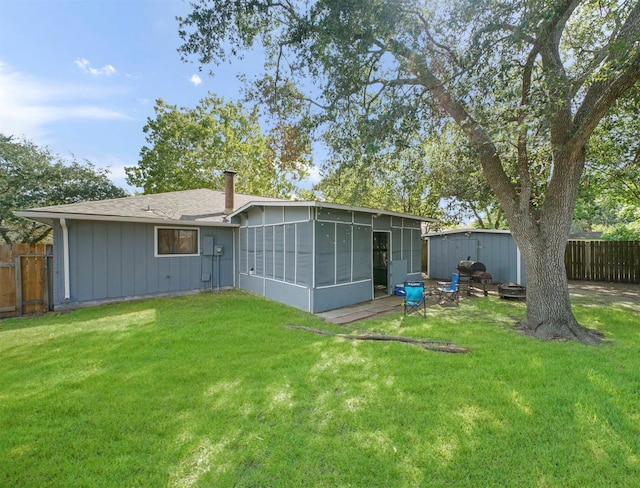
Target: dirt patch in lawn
point(605, 293)
point(598, 293)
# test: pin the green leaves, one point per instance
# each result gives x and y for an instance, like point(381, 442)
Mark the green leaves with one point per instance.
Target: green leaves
point(190, 149)
point(34, 177)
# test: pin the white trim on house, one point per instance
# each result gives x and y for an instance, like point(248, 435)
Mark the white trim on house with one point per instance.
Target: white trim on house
point(334, 206)
point(49, 217)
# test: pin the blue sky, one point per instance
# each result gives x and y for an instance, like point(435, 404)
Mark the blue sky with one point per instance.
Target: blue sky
point(81, 76)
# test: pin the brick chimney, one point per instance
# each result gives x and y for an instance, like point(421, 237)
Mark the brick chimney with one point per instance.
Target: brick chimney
point(229, 191)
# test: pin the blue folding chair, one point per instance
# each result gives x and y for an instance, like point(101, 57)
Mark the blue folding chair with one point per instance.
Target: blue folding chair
point(414, 299)
point(448, 290)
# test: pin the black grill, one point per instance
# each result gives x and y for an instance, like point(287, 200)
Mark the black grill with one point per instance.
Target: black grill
point(473, 273)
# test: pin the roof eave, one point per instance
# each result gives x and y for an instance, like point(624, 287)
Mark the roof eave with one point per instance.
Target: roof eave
point(335, 206)
point(50, 217)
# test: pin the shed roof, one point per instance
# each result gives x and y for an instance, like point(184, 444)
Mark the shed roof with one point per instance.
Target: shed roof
point(465, 231)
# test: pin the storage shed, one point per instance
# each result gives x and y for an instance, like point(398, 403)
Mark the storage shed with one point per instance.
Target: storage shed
point(496, 249)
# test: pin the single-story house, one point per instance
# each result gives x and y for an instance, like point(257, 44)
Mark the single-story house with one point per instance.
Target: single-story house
point(312, 255)
point(496, 249)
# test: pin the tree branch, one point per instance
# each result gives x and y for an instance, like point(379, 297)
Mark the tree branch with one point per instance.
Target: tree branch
point(490, 160)
point(440, 346)
point(602, 94)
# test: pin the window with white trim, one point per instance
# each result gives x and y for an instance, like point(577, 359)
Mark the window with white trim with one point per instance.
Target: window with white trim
point(177, 241)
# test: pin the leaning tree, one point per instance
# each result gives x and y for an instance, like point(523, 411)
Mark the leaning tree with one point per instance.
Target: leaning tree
point(526, 81)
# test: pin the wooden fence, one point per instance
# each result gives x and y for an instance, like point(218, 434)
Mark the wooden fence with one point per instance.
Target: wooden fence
point(26, 279)
point(603, 261)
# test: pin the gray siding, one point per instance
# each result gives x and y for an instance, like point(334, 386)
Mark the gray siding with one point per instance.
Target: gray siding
point(287, 293)
point(341, 296)
point(115, 260)
point(497, 251)
point(318, 259)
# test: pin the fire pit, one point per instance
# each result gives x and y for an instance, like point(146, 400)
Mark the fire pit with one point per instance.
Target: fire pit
point(512, 290)
point(474, 272)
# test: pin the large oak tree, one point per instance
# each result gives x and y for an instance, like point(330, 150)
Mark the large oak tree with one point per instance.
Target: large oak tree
point(527, 82)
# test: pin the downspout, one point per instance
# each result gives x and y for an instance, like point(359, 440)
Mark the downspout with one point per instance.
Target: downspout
point(65, 257)
point(519, 264)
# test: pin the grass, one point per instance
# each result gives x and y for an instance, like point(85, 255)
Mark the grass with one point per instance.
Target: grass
point(214, 390)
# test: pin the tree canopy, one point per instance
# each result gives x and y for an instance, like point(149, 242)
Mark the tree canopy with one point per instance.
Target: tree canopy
point(31, 176)
point(190, 148)
point(527, 83)
point(609, 198)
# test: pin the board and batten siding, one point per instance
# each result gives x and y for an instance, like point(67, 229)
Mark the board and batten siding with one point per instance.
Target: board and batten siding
point(116, 260)
point(496, 250)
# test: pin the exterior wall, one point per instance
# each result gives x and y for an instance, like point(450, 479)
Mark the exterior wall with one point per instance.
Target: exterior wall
point(275, 254)
point(343, 259)
point(497, 251)
point(406, 247)
point(116, 260)
point(328, 298)
point(318, 259)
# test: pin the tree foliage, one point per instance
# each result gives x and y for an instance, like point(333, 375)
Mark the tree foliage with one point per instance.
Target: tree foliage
point(34, 177)
point(527, 83)
point(191, 148)
point(376, 173)
point(456, 176)
point(609, 195)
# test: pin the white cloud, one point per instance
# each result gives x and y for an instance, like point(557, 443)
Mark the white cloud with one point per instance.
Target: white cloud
point(85, 67)
point(314, 175)
point(196, 80)
point(29, 104)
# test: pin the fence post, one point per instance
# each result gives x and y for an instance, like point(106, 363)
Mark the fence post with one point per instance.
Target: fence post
point(18, 259)
point(45, 283)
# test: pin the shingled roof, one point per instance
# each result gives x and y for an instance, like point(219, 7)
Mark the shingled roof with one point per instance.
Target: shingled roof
point(205, 207)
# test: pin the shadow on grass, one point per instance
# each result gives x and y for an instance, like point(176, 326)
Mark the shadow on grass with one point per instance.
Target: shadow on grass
point(216, 391)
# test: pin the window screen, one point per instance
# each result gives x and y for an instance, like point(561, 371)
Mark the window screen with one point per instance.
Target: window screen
point(251, 248)
point(268, 252)
point(325, 252)
point(278, 252)
point(396, 245)
point(290, 253)
point(343, 253)
point(304, 246)
point(243, 250)
point(259, 251)
point(362, 252)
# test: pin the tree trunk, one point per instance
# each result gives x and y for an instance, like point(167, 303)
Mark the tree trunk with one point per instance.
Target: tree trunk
point(549, 314)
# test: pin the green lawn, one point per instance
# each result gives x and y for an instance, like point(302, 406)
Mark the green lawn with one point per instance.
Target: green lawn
point(214, 390)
